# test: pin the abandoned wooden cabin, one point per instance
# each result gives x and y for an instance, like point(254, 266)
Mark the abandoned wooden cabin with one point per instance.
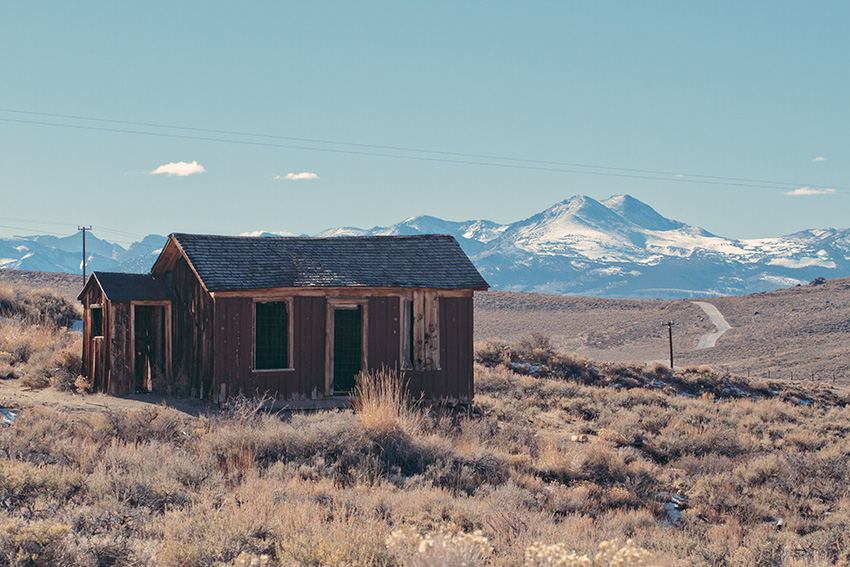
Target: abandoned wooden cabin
point(294, 318)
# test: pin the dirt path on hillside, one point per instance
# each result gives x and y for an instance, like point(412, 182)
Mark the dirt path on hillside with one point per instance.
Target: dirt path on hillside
point(709, 340)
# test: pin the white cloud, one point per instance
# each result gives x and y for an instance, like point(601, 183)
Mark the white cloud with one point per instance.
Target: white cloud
point(297, 176)
point(266, 232)
point(819, 158)
point(179, 168)
point(679, 176)
point(809, 191)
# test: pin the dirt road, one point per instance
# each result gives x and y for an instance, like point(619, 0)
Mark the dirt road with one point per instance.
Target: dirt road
point(709, 340)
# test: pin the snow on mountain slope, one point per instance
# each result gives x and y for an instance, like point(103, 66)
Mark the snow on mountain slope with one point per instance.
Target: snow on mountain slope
point(618, 247)
point(471, 235)
point(620, 229)
point(621, 247)
point(53, 254)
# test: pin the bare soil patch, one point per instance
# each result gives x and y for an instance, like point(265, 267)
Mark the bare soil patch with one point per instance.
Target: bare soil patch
point(15, 396)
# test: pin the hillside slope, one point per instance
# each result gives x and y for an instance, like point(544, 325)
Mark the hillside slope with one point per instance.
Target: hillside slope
point(802, 330)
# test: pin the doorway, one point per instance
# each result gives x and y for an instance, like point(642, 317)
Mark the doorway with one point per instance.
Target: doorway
point(149, 347)
point(347, 347)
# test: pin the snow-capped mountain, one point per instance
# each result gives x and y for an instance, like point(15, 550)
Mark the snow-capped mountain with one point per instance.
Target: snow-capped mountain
point(619, 247)
point(472, 235)
point(55, 254)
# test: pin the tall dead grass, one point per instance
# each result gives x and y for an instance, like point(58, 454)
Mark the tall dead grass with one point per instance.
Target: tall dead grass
point(36, 345)
point(37, 307)
point(382, 402)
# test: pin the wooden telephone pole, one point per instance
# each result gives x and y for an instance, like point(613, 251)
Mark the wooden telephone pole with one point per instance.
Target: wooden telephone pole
point(669, 326)
point(84, 229)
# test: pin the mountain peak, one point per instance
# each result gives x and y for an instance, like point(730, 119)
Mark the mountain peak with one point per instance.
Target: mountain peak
point(639, 213)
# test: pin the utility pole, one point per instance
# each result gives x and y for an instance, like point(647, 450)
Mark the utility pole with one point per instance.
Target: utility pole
point(84, 229)
point(669, 326)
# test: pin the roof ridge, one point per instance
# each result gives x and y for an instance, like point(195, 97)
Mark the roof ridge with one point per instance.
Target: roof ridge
point(315, 238)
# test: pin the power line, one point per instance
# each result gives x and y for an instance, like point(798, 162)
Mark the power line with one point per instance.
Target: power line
point(540, 165)
point(34, 221)
point(39, 232)
point(394, 148)
point(36, 232)
point(100, 228)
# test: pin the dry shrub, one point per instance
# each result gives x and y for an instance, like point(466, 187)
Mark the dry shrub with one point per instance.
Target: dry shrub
point(310, 534)
point(40, 355)
point(7, 371)
point(492, 352)
point(38, 307)
point(659, 368)
point(610, 554)
point(382, 402)
point(83, 385)
point(534, 348)
point(446, 548)
point(36, 544)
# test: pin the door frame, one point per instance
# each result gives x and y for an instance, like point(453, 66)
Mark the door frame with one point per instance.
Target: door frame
point(332, 304)
point(166, 339)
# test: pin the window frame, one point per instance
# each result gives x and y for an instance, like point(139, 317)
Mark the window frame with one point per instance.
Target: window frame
point(99, 309)
point(287, 301)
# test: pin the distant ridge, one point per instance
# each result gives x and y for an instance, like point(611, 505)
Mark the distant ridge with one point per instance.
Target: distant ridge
point(618, 247)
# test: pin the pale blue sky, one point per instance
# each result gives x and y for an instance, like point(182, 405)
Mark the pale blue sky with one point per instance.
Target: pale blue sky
point(754, 90)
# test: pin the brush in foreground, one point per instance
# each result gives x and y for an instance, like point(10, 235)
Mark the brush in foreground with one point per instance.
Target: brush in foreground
point(381, 401)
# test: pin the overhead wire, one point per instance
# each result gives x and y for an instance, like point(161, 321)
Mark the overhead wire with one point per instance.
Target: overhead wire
point(99, 228)
point(36, 232)
point(539, 165)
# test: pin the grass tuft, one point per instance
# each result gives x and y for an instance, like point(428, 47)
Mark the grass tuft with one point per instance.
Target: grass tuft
point(381, 401)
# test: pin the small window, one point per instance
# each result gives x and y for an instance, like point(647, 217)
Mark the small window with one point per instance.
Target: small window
point(271, 335)
point(97, 321)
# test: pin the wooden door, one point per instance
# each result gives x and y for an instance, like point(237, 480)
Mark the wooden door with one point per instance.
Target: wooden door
point(347, 347)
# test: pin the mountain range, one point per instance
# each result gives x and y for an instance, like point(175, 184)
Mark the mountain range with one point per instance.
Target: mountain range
point(619, 247)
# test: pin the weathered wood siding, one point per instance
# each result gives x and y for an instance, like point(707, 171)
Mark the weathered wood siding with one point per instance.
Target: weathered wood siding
point(454, 380)
point(192, 330)
point(117, 320)
point(96, 351)
point(234, 344)
point(308, 358)
point(384, 327)
point(232, 347)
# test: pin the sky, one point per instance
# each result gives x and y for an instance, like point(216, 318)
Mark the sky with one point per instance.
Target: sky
point(293, 117)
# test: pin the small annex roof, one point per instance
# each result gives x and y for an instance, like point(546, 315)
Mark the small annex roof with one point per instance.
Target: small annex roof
point(131, 287)
point(245, 262)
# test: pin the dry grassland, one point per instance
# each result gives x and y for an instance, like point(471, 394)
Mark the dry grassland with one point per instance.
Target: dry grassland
point(800, 332)
point(549, 461)
point(565, 461)
point(67, 286)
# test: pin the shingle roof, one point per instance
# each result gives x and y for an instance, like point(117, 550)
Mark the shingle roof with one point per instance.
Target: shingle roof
point(238, 262)
point(133, 287)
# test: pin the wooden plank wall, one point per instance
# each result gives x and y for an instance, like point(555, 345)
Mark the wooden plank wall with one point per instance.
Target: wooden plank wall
point(92, 297)
point(454, 380)
point(120, 350)
point(383, 341)
point(192, 332)
point(233, 348)
point(309, 348)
